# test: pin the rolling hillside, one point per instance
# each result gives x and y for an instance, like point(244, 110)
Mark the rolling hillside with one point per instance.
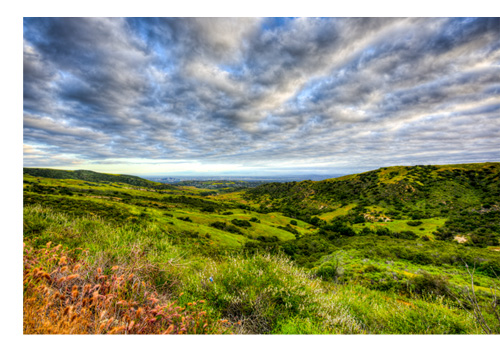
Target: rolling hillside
point(385, 251)
point(428, 189)
point(454, 193)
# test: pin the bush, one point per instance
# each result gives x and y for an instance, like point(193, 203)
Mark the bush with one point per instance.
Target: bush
point(272, 239)
point(405, 235)
point(339, 227)
point(226, 227)
point(233, 229)
point(366, 231)
point(219, 225)
point(372, 269)
point(443, 234)
point(359, 219)
point(331, 269)
point(426, 283)
point(383, 231)
point(241, 223)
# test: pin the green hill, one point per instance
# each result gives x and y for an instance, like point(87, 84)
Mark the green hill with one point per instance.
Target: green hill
point(386, 251)
point(427, 190)
point(458, 193)
point(91, 176)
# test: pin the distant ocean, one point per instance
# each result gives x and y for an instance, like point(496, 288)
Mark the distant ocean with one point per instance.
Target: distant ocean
point(284, 178)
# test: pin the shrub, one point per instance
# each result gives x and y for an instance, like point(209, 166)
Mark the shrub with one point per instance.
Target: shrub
point(339, 227)
point(233, 229)
point(268, 239)
point(431, 284)
point(405, 235)
point(366, 231)
point(331, 269)
point(359, 219)
point(241, 223)
point(383, 231)
point(443, 234)
point(218, 225)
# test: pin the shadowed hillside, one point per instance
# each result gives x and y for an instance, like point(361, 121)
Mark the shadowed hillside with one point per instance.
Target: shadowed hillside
point(91, 176)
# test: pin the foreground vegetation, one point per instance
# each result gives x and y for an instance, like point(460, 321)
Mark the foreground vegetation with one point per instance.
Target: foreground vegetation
point(110, 257)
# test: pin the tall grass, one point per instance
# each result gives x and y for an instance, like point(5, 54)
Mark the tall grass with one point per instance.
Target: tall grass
point(268, 294)
point(66, 295)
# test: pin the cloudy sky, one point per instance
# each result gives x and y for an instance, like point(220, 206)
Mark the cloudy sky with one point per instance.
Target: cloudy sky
point(261, 96)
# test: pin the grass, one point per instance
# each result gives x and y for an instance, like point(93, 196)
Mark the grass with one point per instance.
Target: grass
point(337, 212)
point(255, 294)
point(381, 313)
point(103, 198)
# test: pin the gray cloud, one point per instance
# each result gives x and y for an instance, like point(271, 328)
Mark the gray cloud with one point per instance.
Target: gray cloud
point(345, 94)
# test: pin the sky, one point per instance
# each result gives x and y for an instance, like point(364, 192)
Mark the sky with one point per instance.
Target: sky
point(259, 96)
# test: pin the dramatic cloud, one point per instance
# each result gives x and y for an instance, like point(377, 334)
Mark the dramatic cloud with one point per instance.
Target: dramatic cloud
point(256, 95)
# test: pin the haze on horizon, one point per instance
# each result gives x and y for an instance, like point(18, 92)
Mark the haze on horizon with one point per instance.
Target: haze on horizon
point(259, 96)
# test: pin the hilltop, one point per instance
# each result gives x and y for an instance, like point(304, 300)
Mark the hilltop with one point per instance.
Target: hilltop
point(91, 176)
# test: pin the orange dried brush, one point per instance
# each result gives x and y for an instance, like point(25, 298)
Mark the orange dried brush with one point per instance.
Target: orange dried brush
point(97, 304)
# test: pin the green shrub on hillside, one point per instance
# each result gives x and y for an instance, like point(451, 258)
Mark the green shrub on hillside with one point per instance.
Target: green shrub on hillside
point(425, 283)
point(241, 223)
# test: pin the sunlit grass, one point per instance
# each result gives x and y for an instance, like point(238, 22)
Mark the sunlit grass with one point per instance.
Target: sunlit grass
point(246, 294)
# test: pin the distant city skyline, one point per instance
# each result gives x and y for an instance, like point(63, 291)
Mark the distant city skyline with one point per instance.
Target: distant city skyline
point(259, 96)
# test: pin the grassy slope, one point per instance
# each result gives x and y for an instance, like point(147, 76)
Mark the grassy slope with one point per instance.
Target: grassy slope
point(125, 203)
point(435, 193)
point(256, 294)
point(457, 185)
point(111, 218)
